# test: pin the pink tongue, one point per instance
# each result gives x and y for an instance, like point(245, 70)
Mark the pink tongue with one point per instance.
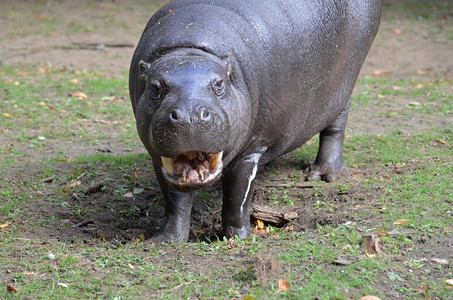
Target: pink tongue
point(192, 175)
point(180, 166)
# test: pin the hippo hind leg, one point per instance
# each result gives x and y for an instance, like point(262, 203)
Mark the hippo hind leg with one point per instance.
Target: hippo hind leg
point(329, 165)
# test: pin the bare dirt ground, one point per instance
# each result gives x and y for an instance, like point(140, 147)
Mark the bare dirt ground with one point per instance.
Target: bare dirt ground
point(101, 35)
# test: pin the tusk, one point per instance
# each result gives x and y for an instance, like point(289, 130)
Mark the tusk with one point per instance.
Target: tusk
point(215, 161)
point(184, 175)
point(201, 174)
point(169, 165)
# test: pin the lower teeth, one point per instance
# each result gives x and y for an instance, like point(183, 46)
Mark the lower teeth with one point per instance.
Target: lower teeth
point(201, 173)
point(184, 175)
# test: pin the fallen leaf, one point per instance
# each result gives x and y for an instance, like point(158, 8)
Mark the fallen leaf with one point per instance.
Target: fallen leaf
point(423, 290)
point(4, 225)
point(283, 285)
point(235, 292)
point(128, 195)
point(397, 31)
point(449, 282)
point(379, 72)
point(131, 267)
point(249, 298)
point(140, 238)
point(79, 95)
point(414, 103)
point(421, 72)
point(71, 185)
point(419, 86)
point(26, 273)
point(75, 80)
point(259, 224)
point(401, 221)
point(441, 141)
point(23, 73)
point(136, 171)
point(8, 115)
point(289, 228)
point(381, 232)
point(230, 243)
point(259, 231)
point(11, 288)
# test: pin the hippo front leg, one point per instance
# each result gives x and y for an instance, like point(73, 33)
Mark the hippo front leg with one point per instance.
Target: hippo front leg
point(238, 186)
point(175, 226)
point(329, 165)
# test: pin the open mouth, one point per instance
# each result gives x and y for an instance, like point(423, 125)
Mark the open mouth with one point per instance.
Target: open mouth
point(192, 168)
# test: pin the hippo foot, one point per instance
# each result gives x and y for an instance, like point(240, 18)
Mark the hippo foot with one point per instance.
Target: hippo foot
point(165, 237)
point(241, 233)
point(326, 173)
point(161, 238)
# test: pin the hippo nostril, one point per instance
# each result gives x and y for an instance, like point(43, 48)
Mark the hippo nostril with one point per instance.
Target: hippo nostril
point(174, 116)
point(205, 115)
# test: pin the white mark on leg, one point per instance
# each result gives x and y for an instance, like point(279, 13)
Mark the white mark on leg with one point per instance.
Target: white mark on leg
point(253, 158)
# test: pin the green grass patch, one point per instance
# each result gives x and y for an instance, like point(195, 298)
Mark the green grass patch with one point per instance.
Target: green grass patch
point(420, 193)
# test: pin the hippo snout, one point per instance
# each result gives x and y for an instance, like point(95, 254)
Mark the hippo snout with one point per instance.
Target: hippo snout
point(180, 130)
point(201, 115)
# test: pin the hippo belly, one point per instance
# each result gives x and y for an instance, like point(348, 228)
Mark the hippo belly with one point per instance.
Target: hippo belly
point(221, 87)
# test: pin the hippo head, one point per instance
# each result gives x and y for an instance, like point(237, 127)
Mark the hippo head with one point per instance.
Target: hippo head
point(191, 116)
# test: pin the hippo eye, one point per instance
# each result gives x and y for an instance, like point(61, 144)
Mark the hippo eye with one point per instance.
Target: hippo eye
point(156, 90)
point(218, 87)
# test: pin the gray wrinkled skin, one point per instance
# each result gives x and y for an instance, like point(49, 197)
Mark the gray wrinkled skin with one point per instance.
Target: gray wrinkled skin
point(252, 78)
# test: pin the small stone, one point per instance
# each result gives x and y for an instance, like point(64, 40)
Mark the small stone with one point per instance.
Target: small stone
point(342, 262)
point(441, 261)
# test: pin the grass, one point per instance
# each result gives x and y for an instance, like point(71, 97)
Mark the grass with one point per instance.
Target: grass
point(416, 10)
point(422, 194)
point(42, 109)
point(430, 98)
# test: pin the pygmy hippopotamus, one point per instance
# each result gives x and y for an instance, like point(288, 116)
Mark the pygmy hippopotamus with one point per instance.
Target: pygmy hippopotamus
point(222, 87)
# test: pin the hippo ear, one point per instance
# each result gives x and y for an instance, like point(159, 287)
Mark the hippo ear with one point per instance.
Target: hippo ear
point(143, 67)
